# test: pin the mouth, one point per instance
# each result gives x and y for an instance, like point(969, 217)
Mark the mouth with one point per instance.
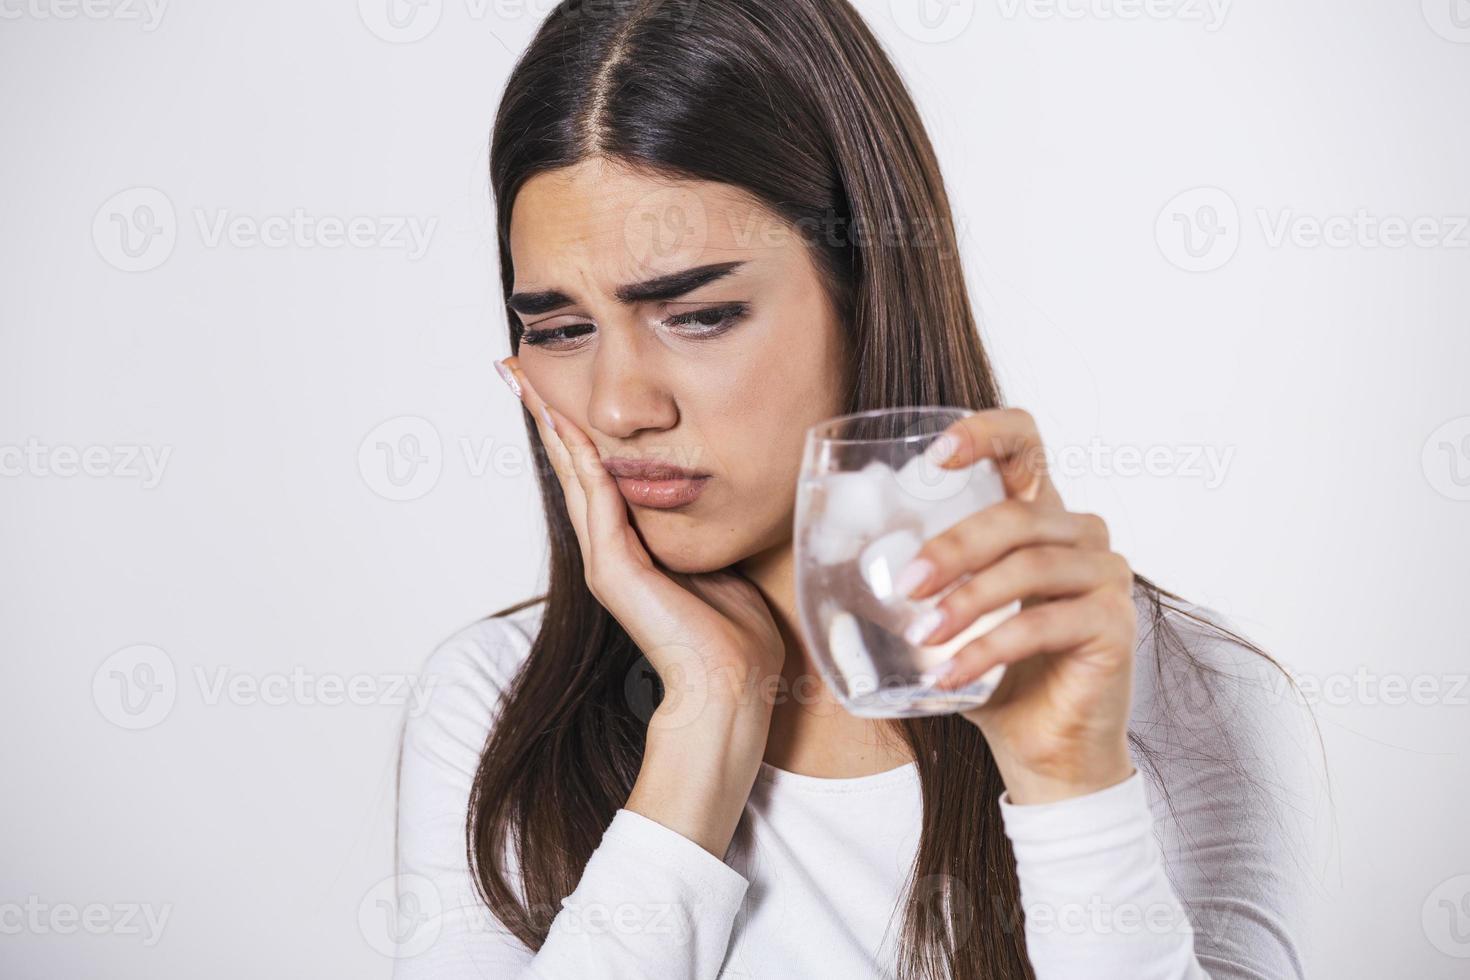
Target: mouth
point(656, 485)
point(662, 494)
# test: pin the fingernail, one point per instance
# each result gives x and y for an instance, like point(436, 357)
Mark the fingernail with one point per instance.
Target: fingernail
point(546, 417)
point(508, 376)
point(913, 575)
point(938, 673)
point(926, 624)
point(942, 448)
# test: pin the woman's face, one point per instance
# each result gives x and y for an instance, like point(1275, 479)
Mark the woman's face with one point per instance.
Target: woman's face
point(720, 373)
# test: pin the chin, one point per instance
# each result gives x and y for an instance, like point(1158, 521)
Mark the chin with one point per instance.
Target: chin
point(686, 547)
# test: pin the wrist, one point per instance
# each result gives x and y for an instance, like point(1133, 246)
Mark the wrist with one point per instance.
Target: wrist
point(698, 773)
point(1079, 774)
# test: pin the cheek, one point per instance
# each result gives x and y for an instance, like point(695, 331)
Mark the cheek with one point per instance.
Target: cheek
point(561, 381)
point(755, 410)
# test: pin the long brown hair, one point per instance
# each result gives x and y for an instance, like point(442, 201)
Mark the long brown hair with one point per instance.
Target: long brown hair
point(795, 102)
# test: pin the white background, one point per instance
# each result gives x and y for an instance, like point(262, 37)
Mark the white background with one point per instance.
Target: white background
point(1330, 378)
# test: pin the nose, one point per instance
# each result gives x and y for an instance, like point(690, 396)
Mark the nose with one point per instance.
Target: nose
point(627, 396)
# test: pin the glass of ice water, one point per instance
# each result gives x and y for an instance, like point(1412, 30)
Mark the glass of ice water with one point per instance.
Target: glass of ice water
point(868, 496)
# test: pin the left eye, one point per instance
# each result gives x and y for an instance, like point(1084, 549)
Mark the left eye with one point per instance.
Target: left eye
point(709, 321)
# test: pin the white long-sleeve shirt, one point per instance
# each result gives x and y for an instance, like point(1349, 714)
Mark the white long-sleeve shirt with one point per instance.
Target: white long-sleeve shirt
point(1114, 884)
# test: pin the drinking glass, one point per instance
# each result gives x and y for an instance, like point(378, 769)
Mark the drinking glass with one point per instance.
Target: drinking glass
point(868, 496)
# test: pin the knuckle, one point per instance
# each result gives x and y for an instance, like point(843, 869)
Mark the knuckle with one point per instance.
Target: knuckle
point(944, 548)
point(1011, 512)
point(1034, 563)
point(1119, 604)
point(1121, 568)
point(1027, 628)
point(1094, 528)
point(1022, 416)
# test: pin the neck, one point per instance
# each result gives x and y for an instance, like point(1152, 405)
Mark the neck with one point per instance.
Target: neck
point(811, 733)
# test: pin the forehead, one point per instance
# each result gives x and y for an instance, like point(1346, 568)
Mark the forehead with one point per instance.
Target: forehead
point(609, 223)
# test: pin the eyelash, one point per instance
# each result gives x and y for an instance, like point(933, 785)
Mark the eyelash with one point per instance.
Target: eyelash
point(729, 315)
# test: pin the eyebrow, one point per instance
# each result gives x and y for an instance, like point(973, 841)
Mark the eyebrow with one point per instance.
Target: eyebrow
point(669, 286)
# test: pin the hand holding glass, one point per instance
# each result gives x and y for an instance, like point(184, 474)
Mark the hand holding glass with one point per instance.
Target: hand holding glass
point(869, 496)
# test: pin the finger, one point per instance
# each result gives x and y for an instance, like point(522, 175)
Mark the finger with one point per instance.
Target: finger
point(556, 452)
point(991, 533)
point(1055, 627)
point(1007, 435)
point(607, 511)
point(1044, 571)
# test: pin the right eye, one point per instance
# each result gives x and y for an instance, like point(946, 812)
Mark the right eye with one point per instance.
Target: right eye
point(556, 337)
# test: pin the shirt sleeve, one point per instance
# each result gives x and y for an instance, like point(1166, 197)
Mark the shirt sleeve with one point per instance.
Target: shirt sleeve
point(650, 902)
point(1193, 866)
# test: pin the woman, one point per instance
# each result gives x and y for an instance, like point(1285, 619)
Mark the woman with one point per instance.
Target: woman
point(720, 223)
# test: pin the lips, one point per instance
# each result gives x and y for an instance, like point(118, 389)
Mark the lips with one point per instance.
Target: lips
point(649, 483)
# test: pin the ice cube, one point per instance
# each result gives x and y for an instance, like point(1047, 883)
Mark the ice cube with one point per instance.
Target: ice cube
point(849, 653)
point(921, 484)
point(984, 488)
point(829, 547)
point(881, 561)
point(856, 502)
